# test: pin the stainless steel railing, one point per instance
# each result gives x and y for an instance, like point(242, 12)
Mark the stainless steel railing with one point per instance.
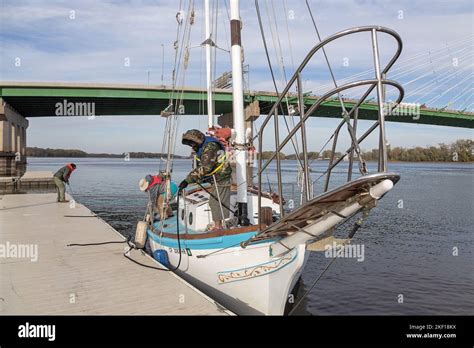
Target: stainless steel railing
point(378, 82)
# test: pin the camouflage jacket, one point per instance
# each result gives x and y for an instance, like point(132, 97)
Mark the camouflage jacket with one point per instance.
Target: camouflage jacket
point(207, 163)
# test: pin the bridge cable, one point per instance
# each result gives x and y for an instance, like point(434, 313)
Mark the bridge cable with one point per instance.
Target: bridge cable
point(443, 76)
point(401, 64)
point(450, 89)
point(463, 92)
point(446, 77)
point(412, 67)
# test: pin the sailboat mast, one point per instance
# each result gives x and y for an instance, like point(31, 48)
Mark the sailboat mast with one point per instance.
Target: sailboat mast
point(210, 111)
point(238, 111)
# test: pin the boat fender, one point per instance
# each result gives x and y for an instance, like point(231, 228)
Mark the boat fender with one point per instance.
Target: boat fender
point(140, 234)
point(162, 257)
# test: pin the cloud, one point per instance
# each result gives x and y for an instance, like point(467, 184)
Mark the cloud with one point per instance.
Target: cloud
point(88, 41)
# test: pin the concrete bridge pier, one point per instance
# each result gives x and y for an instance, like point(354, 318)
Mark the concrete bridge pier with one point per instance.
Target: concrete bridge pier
point(12, 141)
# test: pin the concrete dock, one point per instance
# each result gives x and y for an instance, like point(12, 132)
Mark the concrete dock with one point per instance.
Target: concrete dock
point(57, 279)
point(39, 181)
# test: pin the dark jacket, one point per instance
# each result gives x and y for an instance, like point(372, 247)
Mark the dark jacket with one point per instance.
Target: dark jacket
point(63, 174)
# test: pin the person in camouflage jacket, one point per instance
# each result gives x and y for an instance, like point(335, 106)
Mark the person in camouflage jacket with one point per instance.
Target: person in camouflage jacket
point(211, 161)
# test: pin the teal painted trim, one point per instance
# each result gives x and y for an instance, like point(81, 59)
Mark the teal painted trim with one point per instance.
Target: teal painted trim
point(203, 243)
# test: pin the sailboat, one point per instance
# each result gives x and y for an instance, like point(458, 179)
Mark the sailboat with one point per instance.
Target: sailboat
point(253, 267)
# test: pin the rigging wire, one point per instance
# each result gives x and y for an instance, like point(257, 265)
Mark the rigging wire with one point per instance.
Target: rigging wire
point(262, 32)
point(226, 35)
point(279, 58)
point(326, 57)
point(345, 114)
point(216, 10)
point(173, 82)
point(288, 36)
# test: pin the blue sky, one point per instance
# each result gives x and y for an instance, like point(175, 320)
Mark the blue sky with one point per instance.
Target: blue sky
point(92, 46)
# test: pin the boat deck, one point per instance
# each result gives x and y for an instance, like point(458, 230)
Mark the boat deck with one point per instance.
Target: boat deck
point(81, 279)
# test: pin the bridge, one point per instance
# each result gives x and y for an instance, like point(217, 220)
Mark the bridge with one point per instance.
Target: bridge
point(22, 100)
point(40, 100)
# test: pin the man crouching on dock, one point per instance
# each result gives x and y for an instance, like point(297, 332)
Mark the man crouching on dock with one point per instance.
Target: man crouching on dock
point(61, 177)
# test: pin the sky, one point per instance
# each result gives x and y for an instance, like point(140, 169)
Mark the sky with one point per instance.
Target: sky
point(89, 41)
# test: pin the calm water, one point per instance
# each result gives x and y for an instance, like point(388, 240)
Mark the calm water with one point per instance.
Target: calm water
point(409, 239)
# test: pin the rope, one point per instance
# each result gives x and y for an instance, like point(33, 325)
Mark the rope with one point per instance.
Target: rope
point(312, 286)
point(99, 243)
point(216, 251)
point(355, 228)
point(176, 64)
point(217, 199)
point(125, 254)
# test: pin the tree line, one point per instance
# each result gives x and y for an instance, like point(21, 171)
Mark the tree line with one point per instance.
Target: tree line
point(459, 151)
point(40, 152)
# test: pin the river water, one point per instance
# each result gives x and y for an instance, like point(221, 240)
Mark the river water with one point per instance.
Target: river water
point(418, 243)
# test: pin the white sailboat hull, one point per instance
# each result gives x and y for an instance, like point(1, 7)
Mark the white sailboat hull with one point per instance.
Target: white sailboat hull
point(246, 281)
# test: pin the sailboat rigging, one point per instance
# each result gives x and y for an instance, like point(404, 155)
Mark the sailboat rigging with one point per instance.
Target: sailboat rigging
point(253, 263)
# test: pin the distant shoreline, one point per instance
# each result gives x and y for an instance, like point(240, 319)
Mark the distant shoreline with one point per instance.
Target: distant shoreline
point(99, 157)
point(189, 158)
point(74, 153)
point(461, 151)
